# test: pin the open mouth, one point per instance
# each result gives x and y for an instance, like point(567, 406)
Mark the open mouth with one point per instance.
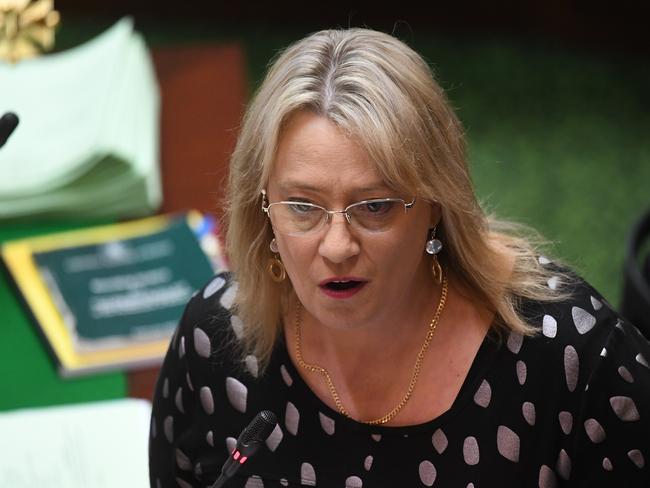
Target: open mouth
point(343, 285)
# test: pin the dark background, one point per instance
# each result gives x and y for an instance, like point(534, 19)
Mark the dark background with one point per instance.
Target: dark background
point(612, 26)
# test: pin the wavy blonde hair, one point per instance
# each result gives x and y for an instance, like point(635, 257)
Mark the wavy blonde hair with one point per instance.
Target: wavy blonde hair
point(381, 93)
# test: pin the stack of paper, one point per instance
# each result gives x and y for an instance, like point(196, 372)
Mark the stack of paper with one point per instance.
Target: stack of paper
point(87, 143)
point(99, 445)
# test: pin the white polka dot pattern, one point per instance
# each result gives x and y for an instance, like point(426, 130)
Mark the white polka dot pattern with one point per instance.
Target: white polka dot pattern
point(624, 408)
point(528, 411)
point(607, 465)
point(583, 320)
point(207, 401)
point(353, 482)
point(522, 372)
point(547, 477)
point(178, 399)
point(202, 344)
point(571, 367)
point(254, 482)
point(307, 474)
point(439, 440)
point(275, 438)
point(625, 374)
point(508, 443)
point(326, 423)
point(515, 340)
point(549, 326)
point(636, 457)
point(564, 465)
point(182, 461)
point(237, 394)
point(286, 377)
point(595, 431)
point(471, 453)
point(181, 348)
point(367, 463)
point(183, 483)
point(566, 422)
point(231, 444)
point(168, 428)
point(228, 297)
point(483, 395)
point(214, 286)
point(596, 304)
point(291, 418)
point(427, 473)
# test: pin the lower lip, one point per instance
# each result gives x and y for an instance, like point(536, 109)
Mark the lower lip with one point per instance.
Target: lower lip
point(340, 294)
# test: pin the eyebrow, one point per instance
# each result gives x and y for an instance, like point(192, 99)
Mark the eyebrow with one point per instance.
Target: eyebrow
point(289, 185)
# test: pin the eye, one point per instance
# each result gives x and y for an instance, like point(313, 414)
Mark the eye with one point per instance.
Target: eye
point(377, 207)
point(300, 208)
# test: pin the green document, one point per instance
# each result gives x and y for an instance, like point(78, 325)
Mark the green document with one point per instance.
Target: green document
point(125, 291)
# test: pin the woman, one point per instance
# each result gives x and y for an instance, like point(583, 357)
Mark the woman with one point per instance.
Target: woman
point(401, 337)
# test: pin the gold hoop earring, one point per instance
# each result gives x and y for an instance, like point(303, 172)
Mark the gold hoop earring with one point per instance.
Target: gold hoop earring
point(275, 267)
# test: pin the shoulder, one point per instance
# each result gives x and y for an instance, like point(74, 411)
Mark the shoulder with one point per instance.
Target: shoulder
point(582, 321)
point(577, 340)
point(208, 332)
point(588, 367)
point(213, 301)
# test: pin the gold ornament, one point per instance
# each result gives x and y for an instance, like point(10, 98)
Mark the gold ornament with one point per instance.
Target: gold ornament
point(276, 270)
point(314, 368)
point(26, 28)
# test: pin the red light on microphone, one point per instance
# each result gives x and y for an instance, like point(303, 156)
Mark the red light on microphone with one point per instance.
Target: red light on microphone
point(243, 460)
point(236, 455)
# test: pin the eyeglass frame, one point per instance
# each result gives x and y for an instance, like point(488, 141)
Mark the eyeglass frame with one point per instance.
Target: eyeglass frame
point(330, 213)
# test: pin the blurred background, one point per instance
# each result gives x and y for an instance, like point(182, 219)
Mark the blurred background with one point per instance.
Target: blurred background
point(553, 95)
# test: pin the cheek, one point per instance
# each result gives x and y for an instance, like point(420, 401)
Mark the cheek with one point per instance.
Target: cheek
point(296, 256)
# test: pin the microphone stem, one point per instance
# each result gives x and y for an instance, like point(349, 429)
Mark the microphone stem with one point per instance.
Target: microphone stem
point(221, 480)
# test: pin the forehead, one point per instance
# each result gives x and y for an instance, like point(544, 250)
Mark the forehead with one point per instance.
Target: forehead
point(314, 154)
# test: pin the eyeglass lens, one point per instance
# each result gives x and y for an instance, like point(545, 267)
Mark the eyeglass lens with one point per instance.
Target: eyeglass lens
point(300, 218)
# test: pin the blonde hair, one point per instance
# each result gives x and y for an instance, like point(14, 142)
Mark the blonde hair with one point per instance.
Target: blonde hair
point(383, 94)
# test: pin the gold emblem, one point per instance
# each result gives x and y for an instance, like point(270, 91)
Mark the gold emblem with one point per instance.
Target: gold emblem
point(26, 28)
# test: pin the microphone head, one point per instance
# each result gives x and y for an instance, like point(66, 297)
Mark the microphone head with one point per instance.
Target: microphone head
point(8, 123)
point(259, 429)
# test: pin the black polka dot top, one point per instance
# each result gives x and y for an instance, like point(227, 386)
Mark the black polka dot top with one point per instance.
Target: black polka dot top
point(567, 407)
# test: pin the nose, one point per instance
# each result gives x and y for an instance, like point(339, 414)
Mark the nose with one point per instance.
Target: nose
point(338, 243)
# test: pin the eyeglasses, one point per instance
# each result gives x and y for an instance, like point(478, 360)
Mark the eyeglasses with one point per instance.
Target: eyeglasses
point(297, 218)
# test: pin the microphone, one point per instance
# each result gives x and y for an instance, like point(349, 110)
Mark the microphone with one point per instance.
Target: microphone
point(8, 123)
point(248, 443)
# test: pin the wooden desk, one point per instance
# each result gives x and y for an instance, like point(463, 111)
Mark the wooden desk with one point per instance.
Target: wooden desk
point(203, 91)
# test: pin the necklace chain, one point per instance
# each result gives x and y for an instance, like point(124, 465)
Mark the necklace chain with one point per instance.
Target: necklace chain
point(314, 368)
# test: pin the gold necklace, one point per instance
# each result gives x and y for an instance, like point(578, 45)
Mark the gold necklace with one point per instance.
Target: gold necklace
point(314, 368)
